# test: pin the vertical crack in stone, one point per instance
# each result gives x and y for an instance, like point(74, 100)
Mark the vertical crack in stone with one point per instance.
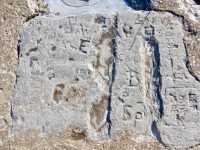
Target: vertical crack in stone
point(157, 77)
point(156, 132)
point(113, 73)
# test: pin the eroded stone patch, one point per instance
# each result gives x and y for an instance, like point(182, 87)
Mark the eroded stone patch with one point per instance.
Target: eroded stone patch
point(62, 73)
point(31, 50)
point(77, 133)
point(98, 114)
point(58, 92)
point(105, 46)
point(75, 93)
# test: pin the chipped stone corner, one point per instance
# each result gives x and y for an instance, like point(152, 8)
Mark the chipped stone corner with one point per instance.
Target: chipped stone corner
point(37, 7)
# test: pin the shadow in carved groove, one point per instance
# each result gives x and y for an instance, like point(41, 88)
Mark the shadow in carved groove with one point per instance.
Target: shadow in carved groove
point(157, 82)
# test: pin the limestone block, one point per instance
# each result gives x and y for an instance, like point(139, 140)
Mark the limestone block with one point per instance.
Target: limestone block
point(105, 72)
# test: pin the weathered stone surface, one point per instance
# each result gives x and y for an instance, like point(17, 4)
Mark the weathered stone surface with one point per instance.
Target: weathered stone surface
point(15, 14)
point(189, 10)
point(104, 73)
point(180, 93)
point(57, 67)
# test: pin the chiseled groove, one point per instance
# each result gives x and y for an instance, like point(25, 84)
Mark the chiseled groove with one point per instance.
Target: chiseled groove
point(109, 107)
point(157, 77)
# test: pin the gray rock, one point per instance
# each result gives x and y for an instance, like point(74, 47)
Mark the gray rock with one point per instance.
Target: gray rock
point(106, 72)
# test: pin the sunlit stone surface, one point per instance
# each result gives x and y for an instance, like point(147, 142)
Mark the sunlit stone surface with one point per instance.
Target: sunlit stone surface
point(104, 72)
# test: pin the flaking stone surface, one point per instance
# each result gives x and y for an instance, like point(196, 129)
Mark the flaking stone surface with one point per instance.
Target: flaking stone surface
point(104, 73)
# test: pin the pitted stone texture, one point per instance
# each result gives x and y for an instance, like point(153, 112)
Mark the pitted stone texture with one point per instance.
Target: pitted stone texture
point(128, 90)
point(57, 82)
point(104, 73)
point(189, 10)
point(180, 93)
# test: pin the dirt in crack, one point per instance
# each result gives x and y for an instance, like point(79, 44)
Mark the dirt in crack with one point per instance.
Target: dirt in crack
point(104, 57)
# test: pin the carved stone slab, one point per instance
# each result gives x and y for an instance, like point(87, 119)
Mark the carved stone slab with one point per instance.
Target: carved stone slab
point(105, 72)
